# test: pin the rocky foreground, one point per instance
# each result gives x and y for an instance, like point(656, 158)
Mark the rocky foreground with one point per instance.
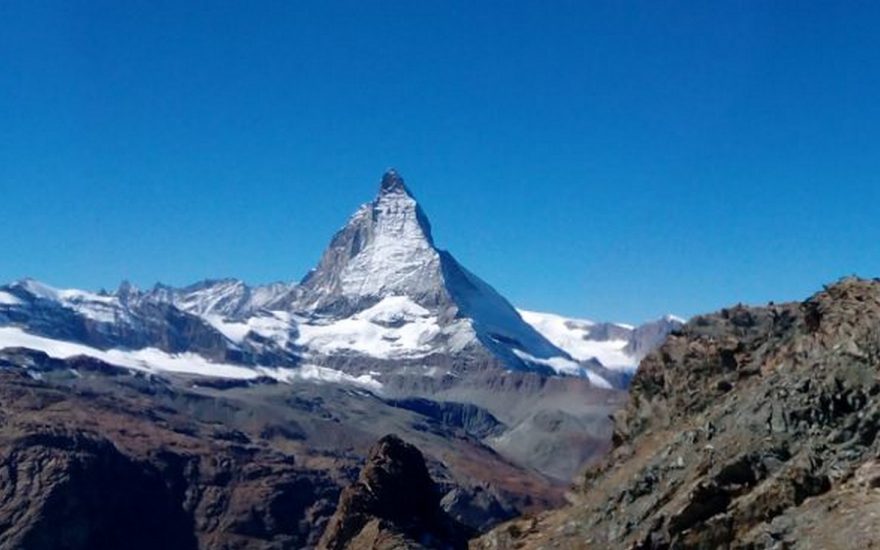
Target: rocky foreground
point(749, 428)
point(394, 504)
point(93, 456)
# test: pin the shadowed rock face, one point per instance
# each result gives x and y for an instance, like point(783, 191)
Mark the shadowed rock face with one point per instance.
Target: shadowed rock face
point(750, 428)
point(83, 470)
point(394, 504)
point(463, 416)
point(70, 490)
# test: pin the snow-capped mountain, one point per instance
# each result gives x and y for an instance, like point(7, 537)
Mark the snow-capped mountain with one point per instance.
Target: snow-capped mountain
point(386, 314)
point(385, 249)
point(224, 297)
point(617, 346)
point(382, 297)
point(385, 256)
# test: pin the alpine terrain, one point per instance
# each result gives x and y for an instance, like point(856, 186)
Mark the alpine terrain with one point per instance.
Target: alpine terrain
point(233, 415)
point(753, 427)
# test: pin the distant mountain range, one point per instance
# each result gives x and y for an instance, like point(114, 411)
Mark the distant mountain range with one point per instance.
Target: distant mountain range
point(381, 293)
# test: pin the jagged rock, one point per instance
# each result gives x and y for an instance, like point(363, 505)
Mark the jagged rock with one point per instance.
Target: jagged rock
point(749, 428)
point(394, 504)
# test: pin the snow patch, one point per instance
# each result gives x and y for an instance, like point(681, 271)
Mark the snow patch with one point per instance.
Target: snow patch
point(572, 336)
point(561, 365)
point(396, 327)
point(314, 373)
point(399, 258)
point(7, 299)
point(98, 307)
point(155, 360)
point(274, 325)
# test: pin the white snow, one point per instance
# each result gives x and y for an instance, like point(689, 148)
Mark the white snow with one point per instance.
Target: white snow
point(315, 373)
point(102, 308)
point(154, 360)
point(214, 298)
point(38, 289)
point(399, 258)
point(492, 315)
point(386, 251)
point(147, 359)
point(224, 298)
point(265, 296)
point(562, 365)
point(394, 309)
point(235, 331)
point(42, 290)
point(274, 325)
point(572, 336)
point(459, 335)
point(7, 299)
point(393, 328)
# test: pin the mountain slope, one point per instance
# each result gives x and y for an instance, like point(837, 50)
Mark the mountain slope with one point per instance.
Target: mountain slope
point(749, 428)
point(386, 250)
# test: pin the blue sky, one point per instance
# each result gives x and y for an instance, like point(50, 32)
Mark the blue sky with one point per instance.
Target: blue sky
point(614, 160)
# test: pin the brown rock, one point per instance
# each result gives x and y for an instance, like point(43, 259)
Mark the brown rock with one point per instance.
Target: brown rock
point(393, 504)
point(784, 457)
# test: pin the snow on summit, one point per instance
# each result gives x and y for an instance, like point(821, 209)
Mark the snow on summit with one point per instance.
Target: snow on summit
point(385, 249)
point(398, 254)
point(382, 294)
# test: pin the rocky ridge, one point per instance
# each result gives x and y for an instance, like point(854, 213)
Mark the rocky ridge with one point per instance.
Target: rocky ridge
point(393, 504)
point(80, 470)
point(749, 428)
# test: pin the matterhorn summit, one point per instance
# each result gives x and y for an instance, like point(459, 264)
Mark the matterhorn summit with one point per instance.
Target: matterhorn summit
point(385, 249)
point(385, 258)
point(383, 301)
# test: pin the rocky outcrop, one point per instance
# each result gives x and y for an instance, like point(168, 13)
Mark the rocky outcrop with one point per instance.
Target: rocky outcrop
point(749, 428)
point(86, 470)
point(64, 489)
point(394, 504)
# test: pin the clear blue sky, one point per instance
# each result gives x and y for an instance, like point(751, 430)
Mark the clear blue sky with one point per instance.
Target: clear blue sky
point(614, 160)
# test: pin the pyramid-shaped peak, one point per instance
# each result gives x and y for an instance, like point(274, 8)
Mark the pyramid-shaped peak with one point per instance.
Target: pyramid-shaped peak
point(392, 182)
point(384, 250)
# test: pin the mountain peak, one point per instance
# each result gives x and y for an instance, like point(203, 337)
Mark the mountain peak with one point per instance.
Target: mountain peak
point(392, 183)
point(385, 249)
